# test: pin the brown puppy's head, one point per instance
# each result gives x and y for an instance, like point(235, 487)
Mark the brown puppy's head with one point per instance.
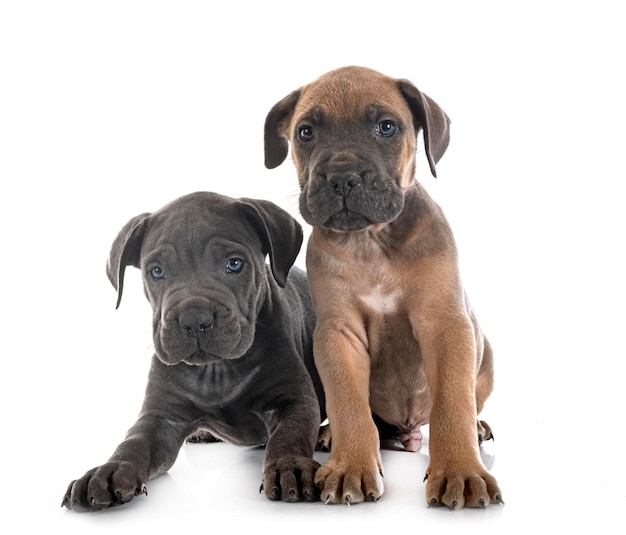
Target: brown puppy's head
point(353, 135)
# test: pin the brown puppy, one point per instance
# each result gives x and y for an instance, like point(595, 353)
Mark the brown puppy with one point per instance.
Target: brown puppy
point(395, 336)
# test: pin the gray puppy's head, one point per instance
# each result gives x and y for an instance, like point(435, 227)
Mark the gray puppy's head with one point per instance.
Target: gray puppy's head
point(202, 259)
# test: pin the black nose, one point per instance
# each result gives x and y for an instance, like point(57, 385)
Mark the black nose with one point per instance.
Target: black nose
point(344, 183)
point(195, 321)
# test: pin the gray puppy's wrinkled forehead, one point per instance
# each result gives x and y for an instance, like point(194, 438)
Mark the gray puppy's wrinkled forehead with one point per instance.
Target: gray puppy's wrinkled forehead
point(190, 219)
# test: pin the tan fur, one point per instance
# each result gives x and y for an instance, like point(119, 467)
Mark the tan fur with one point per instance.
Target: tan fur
point(395, 333)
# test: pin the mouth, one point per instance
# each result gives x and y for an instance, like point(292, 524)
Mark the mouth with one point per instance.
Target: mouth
point(348, 221)
point(197, 358)
point(200, 357)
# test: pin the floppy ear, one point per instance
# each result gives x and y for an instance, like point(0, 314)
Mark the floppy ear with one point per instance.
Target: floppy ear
point(125, 252)
point(276, 142)
point(280, 234)
point(431, 118)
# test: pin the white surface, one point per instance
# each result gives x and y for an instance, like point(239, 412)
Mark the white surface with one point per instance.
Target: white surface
point(110, 109)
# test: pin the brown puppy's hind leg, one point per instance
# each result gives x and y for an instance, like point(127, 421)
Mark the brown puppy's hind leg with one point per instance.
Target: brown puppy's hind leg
point(324, 438)
point(484, 431)
point(484, 387)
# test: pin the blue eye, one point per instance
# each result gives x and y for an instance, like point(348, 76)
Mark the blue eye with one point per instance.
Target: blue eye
point(234, 265)
point(306, 133)
point(157, 273)
point(386, 128)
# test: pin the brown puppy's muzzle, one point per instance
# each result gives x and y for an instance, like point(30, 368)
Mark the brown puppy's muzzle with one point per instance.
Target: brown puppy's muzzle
point(200, 329)
point(349, 191)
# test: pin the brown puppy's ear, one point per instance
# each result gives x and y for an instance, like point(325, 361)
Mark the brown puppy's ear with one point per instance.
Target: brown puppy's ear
point(280, 234)
point(276, 139)
point(431, 118)
point(125, 252)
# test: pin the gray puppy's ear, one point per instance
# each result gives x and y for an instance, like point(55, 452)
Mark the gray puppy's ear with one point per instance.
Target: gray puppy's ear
point(428, 116)
point(277, 120)
point(125, 252)
point(280, 234)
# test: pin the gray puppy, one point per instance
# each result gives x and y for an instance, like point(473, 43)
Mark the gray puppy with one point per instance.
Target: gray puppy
point(233, 346)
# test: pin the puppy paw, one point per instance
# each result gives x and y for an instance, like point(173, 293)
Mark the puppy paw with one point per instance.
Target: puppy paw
point(484, 431)
point(470, 486)
point(112, 484)
point(291, 479)
point(324, 438)
point(349, 483)
point(201, 437)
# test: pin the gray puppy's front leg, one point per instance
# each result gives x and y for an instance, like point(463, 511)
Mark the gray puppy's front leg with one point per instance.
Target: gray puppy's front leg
point(150, 448)
point(289, 467)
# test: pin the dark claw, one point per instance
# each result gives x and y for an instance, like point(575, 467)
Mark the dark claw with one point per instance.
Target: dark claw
point(481, 503)
point(261, 488)
point(453, 505)
point(372, 497)
point(433, 502)
point(499, 499)
point(425, 478)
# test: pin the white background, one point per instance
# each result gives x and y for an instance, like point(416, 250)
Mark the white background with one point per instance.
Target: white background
point(109, 109)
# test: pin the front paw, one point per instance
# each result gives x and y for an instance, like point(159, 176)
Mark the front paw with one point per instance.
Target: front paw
point(465, 486)
point(112, 484)
point(290, 478)
point(350, 482)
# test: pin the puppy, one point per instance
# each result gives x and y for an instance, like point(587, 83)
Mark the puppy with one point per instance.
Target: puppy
point(396, 340)
point(233, 346)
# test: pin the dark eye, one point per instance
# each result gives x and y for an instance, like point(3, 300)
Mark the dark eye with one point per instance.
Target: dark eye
point(234, 265)
point(305, 132)
point(157, 273)
point(386, 128)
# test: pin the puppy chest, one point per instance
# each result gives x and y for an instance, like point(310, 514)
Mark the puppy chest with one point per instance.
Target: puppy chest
point(380, 300)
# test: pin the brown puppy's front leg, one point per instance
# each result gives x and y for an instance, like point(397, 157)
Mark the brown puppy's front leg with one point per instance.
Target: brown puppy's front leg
point(456, 475)
point(353, 472)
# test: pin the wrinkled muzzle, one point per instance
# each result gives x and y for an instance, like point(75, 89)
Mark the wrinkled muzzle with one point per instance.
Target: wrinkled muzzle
point(346, 191)
point(200, 329)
